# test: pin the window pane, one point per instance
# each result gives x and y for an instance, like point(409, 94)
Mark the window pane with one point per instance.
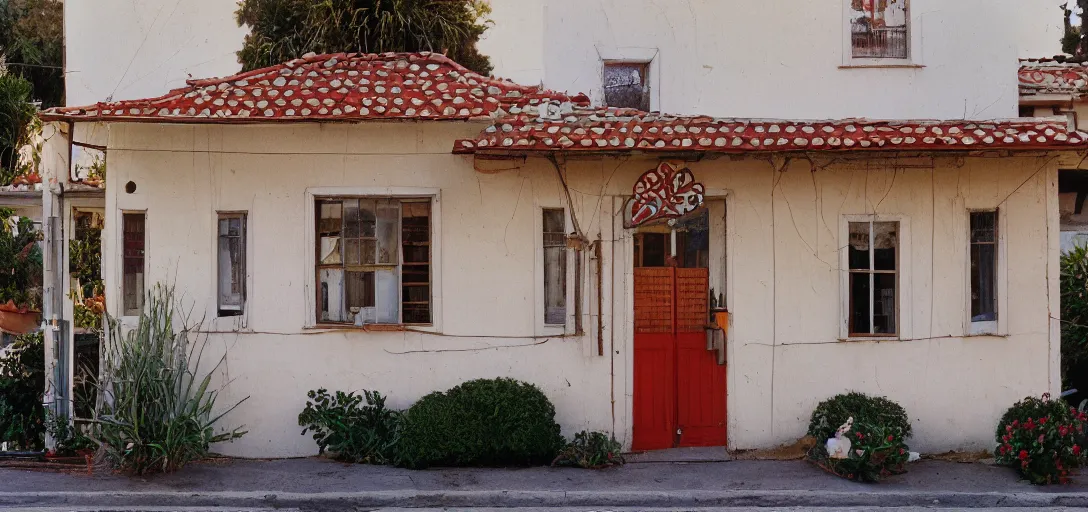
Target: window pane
point(859, 246)
point(133, 284)
point(555, 267)
point(983, 282)
point(332, 295)
point(859, 303)
point(329, 219)
point(388, 223)
point(884, 311)
point(387, 302)
point(983, 226)
point(359, 297)
point(886, 244)
point(554, 220)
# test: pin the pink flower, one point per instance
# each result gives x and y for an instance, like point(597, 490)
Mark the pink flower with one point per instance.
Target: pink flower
point(1023, 455)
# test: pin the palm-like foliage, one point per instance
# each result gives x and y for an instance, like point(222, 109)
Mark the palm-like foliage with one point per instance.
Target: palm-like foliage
point(282, 30)
point(16, 113)
point(157, 410)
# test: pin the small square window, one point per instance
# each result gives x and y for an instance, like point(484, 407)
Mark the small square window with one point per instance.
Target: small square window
point(231, 255)
point(879, 29)
point(626, 85)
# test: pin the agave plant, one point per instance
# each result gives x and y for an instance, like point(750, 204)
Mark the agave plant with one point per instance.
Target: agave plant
point(157, 410)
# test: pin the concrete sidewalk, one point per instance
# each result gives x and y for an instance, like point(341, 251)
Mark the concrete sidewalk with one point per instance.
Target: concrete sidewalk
point(312, 484)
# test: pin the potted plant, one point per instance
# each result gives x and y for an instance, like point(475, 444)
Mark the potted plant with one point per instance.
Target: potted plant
point(20, 274)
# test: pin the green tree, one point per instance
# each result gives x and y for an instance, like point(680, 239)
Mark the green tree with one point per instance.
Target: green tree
point(32, 45)
point(16, 113)
point(282, 30)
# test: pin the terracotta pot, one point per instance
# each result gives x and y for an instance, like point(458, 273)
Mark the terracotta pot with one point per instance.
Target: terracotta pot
point(15, 320)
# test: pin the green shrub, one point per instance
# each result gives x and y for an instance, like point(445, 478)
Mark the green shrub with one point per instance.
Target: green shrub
point(366, 434)
point(878, 436)
point(68, 439)
point(590, 450)
point(865, 409)
point(158, 412)
point(487, 422)
point(1074, 314)
point(22, 381)
point(1042, 439)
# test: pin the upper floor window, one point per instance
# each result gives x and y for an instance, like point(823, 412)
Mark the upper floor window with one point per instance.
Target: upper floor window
point(879, 29)
point(373, 260)
point(627, 85)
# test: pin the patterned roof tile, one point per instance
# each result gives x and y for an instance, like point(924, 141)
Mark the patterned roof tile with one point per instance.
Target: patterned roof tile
point(563, 128)
point(331, 87)
point(1044, 76)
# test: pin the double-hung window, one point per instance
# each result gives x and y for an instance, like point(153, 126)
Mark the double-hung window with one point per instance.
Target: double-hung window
point(984, 250)
point(873, 279)
point(373, 260)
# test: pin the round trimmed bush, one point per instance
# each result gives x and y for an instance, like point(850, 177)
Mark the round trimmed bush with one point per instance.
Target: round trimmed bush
point(878, 436)
point(865, 409)
point(1042, 439)
point(486, 422)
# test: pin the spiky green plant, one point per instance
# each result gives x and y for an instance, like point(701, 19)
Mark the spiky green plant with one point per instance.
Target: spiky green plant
point(281, 30)
point(157, 409)
point(16, 113)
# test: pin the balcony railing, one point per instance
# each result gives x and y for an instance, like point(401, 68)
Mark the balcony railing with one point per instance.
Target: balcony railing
point(880, 43)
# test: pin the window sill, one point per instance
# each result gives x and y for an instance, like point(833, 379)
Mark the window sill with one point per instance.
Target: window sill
point(370, 327)
point(882, 65)
point(871, 338)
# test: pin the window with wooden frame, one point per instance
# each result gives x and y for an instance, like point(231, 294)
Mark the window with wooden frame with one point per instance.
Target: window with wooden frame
point(555, 266)
point(231, 263)
point(133, 271)
point(873, 279)
point(373, 260)
point(627, 85)
point(984, 251)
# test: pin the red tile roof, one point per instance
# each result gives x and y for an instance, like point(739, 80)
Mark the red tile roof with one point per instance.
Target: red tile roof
point(334, 87)
point(615, 130)
point(1044, 76)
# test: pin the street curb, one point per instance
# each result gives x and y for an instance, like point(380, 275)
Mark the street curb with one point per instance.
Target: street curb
point(420, 499)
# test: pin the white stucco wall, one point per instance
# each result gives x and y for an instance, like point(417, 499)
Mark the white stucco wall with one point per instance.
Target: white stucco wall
point(778, 58)
point(783, 274)
point(137, 49)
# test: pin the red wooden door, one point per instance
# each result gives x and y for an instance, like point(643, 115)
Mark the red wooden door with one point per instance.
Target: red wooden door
point(679, 391)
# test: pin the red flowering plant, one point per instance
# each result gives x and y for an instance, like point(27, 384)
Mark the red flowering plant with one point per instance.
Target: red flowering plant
point(876, 452)
point(1042, 439)
point(877, 429)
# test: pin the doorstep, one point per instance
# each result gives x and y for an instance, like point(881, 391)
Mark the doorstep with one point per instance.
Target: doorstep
point(700, 454)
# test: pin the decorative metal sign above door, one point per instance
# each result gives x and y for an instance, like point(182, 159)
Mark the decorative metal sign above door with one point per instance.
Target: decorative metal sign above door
point(667, 192)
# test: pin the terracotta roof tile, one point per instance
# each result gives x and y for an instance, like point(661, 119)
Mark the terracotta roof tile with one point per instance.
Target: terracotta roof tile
point(1044, 76)
point(616, 130)
point(333, 87)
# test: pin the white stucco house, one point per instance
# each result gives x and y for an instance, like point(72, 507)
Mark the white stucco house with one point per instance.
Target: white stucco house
point(396, 222)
